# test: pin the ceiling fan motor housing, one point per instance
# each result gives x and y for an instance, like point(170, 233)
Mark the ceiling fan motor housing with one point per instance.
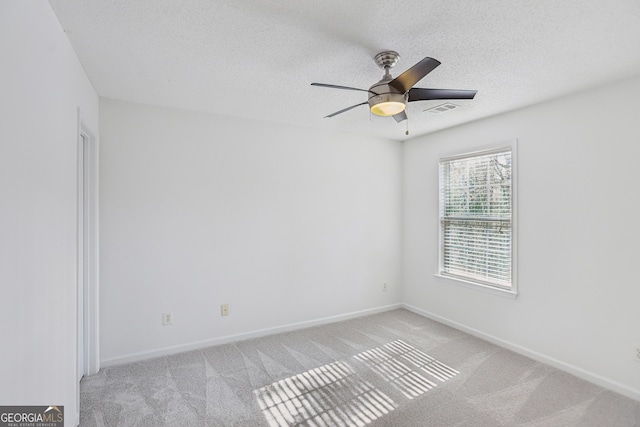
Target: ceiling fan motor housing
point(386, 97)
point(384, 93)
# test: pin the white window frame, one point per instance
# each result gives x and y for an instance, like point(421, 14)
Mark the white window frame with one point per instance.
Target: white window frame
point(512, 291)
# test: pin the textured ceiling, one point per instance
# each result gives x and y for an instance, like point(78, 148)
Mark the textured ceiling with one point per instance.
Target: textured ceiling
point(257, 58)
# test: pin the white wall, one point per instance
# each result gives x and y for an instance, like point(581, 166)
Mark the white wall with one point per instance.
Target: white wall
point(41, 85)
point(284, 224)
point(578, 234)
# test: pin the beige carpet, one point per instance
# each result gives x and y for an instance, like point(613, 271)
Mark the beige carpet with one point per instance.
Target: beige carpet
point(389, 369)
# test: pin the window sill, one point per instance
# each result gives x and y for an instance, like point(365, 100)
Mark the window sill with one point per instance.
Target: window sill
point(507, 293)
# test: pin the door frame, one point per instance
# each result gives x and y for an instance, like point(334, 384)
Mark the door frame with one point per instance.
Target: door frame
point(88, 361)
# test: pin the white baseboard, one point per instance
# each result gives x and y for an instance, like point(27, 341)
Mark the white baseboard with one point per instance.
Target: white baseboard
point(567, 367)
point(136, 357)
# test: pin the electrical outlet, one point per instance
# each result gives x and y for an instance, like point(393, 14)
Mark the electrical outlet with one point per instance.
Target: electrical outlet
point(167, 319)
point(638, 353)
point(224, 310)
point(384, 287)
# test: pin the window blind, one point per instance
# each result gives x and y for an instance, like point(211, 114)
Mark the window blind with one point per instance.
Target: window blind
point(476, 217)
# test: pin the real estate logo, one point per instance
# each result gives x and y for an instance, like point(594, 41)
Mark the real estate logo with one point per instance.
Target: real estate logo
point(31, 416)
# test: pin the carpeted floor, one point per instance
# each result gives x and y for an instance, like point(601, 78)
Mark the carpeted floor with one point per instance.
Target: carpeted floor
point(389, 369)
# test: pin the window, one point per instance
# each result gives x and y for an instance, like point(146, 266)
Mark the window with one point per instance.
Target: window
point(477, 218)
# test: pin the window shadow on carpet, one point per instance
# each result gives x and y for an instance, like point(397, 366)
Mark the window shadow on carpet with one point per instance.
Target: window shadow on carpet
point(335, 395)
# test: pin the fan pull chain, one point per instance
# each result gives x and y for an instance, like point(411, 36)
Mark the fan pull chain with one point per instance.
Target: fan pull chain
point(407, 131)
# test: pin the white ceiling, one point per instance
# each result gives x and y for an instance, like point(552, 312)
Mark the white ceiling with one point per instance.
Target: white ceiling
point(256, 58)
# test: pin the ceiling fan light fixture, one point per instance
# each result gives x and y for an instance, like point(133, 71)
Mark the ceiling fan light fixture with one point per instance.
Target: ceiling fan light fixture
point(386, 109)
point(387, 104)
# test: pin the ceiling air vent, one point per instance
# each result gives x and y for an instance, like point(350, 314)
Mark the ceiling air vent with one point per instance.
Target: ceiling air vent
point(442, 108)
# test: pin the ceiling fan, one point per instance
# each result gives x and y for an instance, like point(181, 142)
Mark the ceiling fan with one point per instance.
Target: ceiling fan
point(389, 96)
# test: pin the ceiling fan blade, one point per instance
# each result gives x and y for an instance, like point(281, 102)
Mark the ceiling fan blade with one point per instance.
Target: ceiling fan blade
point(400, 116)
point(419, 94)
point(345, 109)
point(339, 87)
point(413, 75)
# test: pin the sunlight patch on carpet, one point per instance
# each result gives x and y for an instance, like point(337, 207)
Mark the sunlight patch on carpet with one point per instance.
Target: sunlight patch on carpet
point(334, 395)
point(331, 395)
point(411, 371)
